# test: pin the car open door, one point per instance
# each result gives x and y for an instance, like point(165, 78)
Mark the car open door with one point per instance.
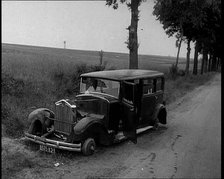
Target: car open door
point(129, 116)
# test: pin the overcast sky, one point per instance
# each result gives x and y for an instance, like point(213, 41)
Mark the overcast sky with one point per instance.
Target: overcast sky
point(83, 25)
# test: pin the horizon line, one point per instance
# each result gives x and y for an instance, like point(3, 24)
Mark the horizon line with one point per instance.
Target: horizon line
point(87, 50)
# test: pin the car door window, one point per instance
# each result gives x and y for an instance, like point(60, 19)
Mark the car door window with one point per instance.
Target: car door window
point(148, 86)
point(128, 92)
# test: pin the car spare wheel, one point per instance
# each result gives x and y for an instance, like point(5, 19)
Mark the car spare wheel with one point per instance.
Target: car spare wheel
point(88, 147)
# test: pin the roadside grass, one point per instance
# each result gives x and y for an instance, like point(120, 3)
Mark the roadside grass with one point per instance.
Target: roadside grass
point(176, 88)
point(22, 96)
point(19, 155)
point(14, 162)
point(14, 158)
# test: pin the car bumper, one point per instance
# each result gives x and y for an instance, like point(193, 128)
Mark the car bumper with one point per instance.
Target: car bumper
point(53, 143)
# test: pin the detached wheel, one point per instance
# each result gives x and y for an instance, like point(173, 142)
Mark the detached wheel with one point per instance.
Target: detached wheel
point(88, 147)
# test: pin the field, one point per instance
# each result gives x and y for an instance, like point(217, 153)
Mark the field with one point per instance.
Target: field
point(43, 60)
point(34, 77)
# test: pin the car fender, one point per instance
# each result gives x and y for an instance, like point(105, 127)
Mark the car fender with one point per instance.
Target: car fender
point(91, 127)
point(161, 113)
point(40, 115)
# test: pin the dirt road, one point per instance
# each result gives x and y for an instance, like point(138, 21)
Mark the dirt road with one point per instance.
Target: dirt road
point(189, 146)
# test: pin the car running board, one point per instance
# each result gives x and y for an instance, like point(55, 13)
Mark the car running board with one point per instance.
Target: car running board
point(120, 136)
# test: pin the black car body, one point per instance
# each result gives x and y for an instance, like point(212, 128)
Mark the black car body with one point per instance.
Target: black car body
point(112, 106)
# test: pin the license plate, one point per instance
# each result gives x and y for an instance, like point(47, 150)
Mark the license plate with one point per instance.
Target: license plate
point(47, 149)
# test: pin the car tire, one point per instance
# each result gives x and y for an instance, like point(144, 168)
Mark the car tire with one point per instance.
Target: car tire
point(88, 147)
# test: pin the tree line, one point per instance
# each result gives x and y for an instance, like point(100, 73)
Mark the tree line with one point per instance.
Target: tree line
point(197, 21)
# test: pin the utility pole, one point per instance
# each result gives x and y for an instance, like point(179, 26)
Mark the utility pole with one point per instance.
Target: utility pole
point(101, 57)
point(64, 44)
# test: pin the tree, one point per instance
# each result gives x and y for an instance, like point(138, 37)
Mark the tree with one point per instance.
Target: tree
point(195, 66)
point(215, 31)
point(132, 42)
point(188, 57)
point(196, 20)
point(174, 16)
point(178, 45)
point(210, 34)
point(209, 63)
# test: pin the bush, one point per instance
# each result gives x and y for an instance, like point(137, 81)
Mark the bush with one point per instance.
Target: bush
point(97, 67)
point(12, 94)
point(67, 82)
point(13, 126)
point(173, 71)
point(181, 72)
point(12, 86)
point(179, 87)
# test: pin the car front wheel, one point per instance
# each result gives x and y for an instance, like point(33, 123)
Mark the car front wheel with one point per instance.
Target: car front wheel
point(88, 147)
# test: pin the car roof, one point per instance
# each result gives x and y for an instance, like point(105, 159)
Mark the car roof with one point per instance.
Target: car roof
point(124, 74)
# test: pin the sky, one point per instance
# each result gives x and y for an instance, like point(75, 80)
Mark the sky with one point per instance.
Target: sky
point(84, 25)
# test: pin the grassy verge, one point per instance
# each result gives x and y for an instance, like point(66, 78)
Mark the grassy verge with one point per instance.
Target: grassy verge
point(176, 88)
point(20, 96)
point(14, 158)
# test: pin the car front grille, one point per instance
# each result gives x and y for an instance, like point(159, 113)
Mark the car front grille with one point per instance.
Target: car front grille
point(64, 118)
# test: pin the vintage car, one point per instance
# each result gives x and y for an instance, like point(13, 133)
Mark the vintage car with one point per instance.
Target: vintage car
point(112, 106)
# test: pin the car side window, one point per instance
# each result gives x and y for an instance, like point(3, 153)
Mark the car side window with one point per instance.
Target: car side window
point(158, 84)
point(148, 86)
point(128, 92)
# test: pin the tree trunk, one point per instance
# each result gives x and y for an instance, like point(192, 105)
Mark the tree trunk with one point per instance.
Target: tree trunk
point(209, 62)
point(213, 62)
point(205, 56)
point(217, 65)
point(195, 68)
point(202, 64)
point(188, 57)
point(178, 52)
point(133, 36)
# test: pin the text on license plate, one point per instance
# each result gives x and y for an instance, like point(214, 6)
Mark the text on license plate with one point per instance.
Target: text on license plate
point(47, 149)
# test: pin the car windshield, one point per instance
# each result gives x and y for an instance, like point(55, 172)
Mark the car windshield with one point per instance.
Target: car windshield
point(91, 85)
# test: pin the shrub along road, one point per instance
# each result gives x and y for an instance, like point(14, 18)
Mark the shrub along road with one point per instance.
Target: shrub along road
point(189, 146)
